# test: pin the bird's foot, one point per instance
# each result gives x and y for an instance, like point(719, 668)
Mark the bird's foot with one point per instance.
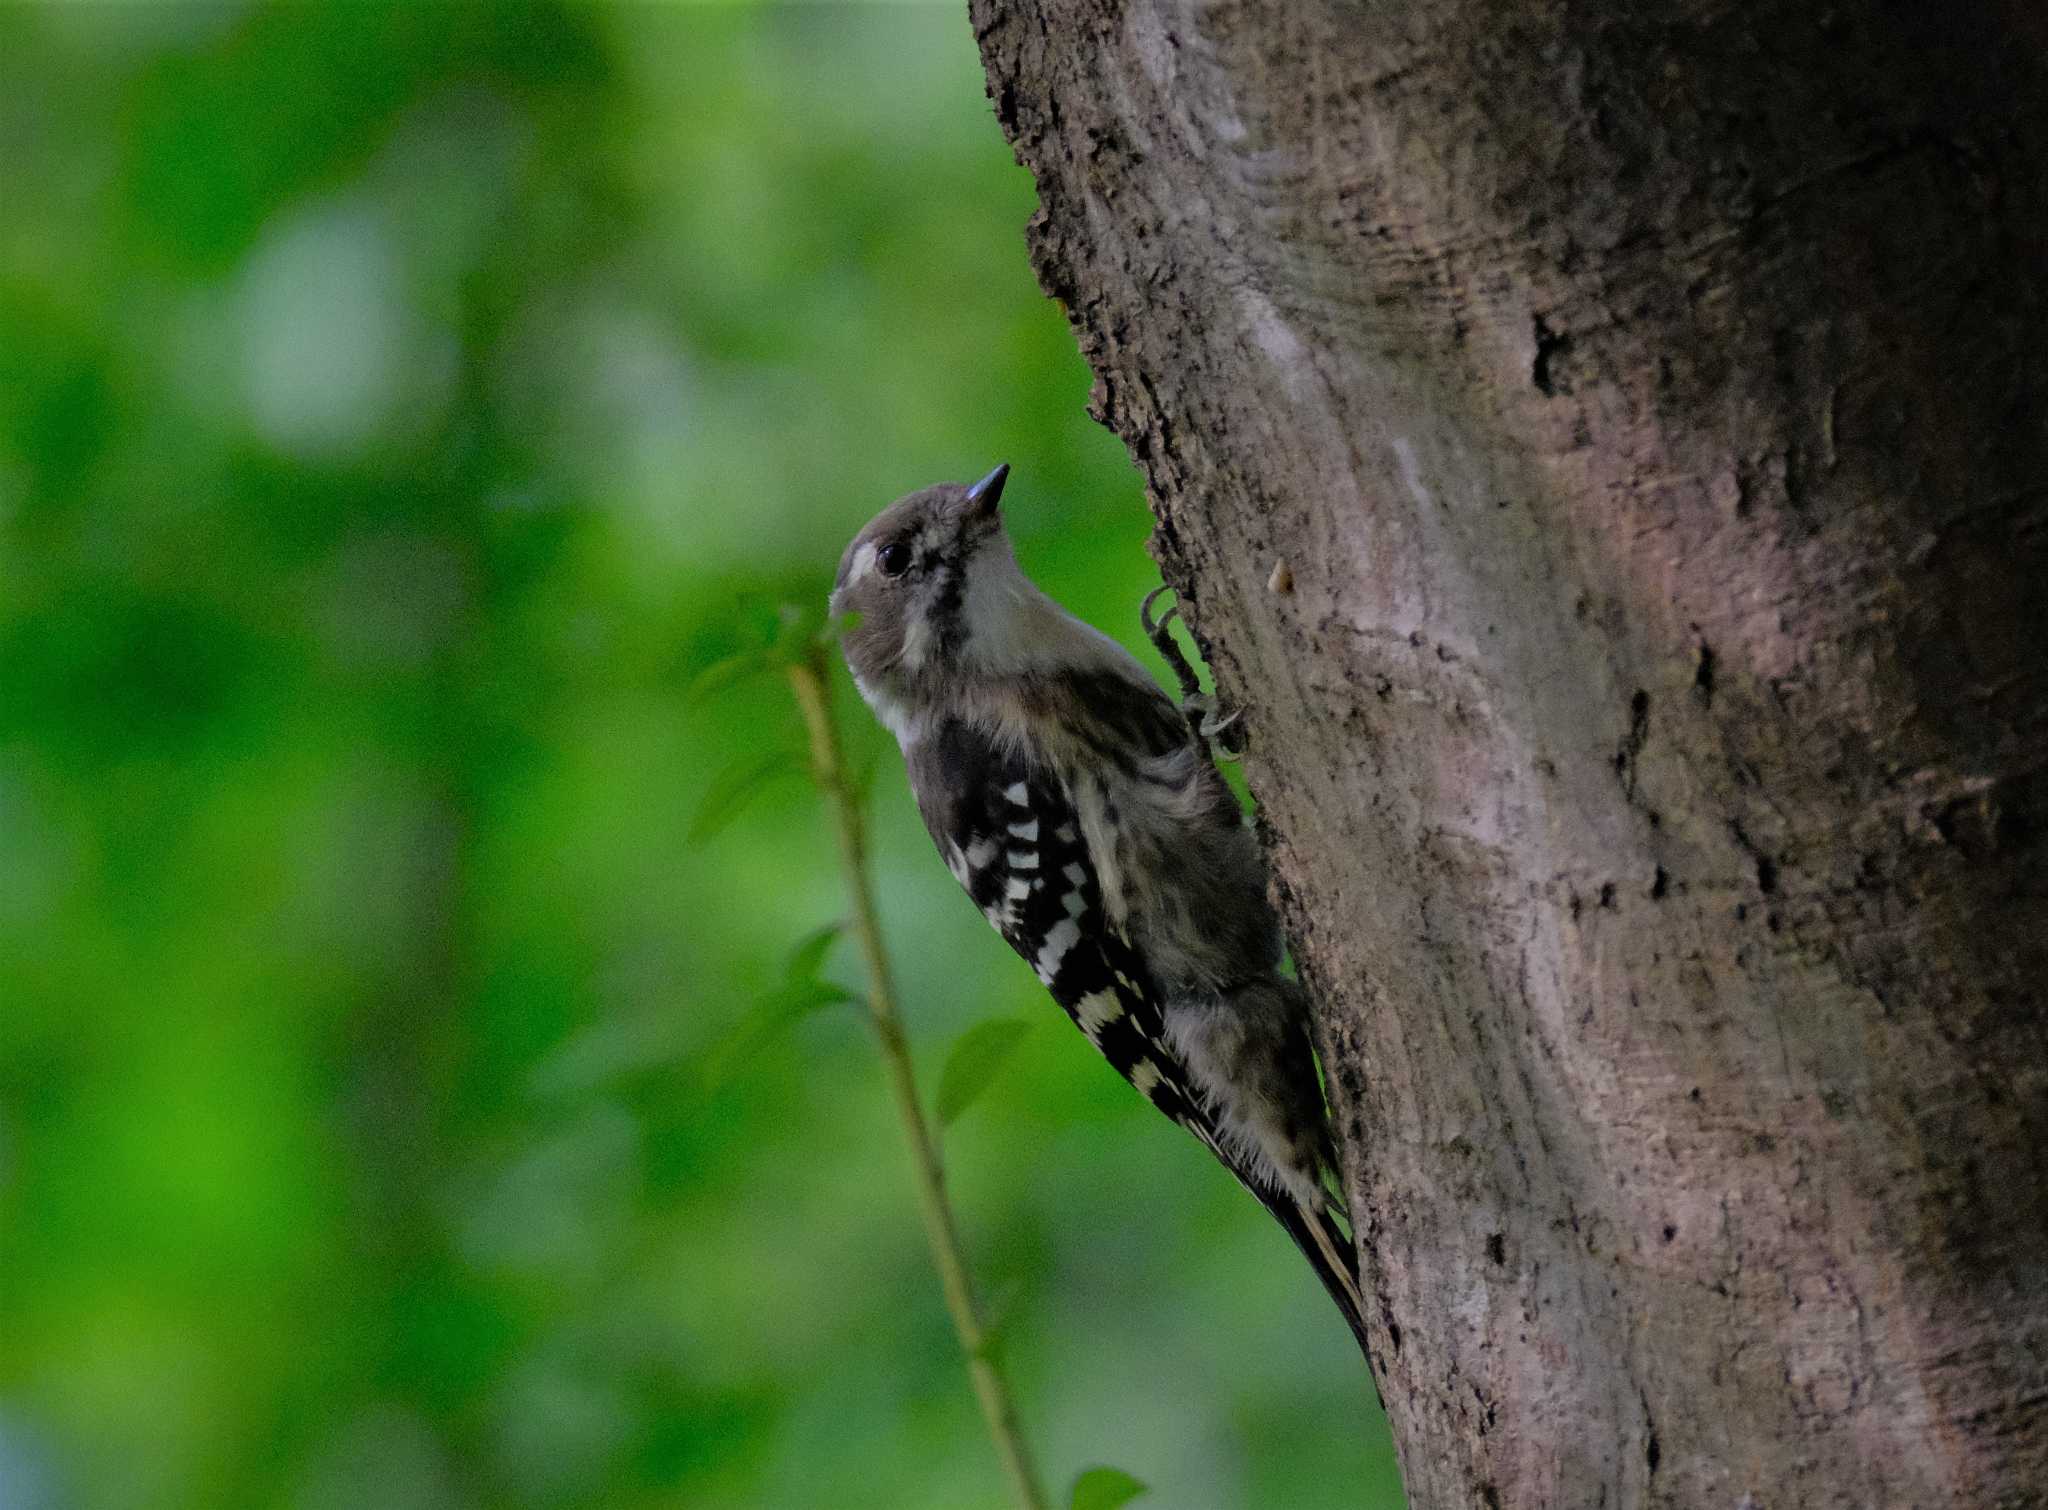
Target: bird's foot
point(1221, 733)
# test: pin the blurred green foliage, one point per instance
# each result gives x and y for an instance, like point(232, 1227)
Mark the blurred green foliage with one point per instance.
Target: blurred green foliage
point(398, 408)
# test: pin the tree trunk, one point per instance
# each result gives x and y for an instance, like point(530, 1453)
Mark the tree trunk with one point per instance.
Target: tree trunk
point(1650, 416)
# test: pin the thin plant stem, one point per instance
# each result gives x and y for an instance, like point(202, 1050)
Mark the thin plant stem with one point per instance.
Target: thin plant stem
point(828, 767)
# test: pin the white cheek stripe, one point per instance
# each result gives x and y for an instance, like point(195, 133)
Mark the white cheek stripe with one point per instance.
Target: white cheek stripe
point(917, 642)
point(894, 717)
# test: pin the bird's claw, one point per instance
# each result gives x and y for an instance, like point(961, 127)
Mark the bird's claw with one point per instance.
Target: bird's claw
point(1222, 734)
point(1159, 632)
point(1145, 611)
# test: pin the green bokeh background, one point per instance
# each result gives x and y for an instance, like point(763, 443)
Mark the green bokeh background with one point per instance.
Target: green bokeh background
point(398, 408)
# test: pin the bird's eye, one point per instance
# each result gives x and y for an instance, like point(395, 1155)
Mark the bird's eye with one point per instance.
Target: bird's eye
point(894, 558)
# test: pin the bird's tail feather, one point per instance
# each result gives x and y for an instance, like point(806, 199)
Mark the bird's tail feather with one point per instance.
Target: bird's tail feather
point(1330, 1253)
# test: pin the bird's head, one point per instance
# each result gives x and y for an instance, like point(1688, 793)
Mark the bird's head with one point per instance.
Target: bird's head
point(936, 588)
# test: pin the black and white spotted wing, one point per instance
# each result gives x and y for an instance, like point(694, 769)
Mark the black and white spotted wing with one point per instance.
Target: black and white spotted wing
point(1008, 828)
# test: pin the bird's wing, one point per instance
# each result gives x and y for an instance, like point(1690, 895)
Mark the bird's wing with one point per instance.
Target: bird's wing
point(1013, 838)
point(1012, 834)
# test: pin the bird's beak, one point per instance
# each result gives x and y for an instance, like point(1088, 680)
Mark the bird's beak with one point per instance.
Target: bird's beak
point(987, 493)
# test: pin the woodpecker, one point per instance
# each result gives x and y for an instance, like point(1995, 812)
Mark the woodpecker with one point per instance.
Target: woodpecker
point(1083, 812)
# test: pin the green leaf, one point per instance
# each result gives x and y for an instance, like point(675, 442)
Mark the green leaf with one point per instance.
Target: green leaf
point(798, 629)
point(810, 952)
point(732, 788)
point(758, 618)
point(778, 1011)
point(999, 1314)
point(974, 1062)
point(1104, 1489)
point(731, 671)
point(800, 994)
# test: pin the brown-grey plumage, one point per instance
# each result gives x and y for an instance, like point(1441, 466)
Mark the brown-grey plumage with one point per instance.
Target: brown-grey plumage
point(1078, 808)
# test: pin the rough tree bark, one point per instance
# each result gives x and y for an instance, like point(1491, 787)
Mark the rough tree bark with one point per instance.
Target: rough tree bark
point(1650, 412)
